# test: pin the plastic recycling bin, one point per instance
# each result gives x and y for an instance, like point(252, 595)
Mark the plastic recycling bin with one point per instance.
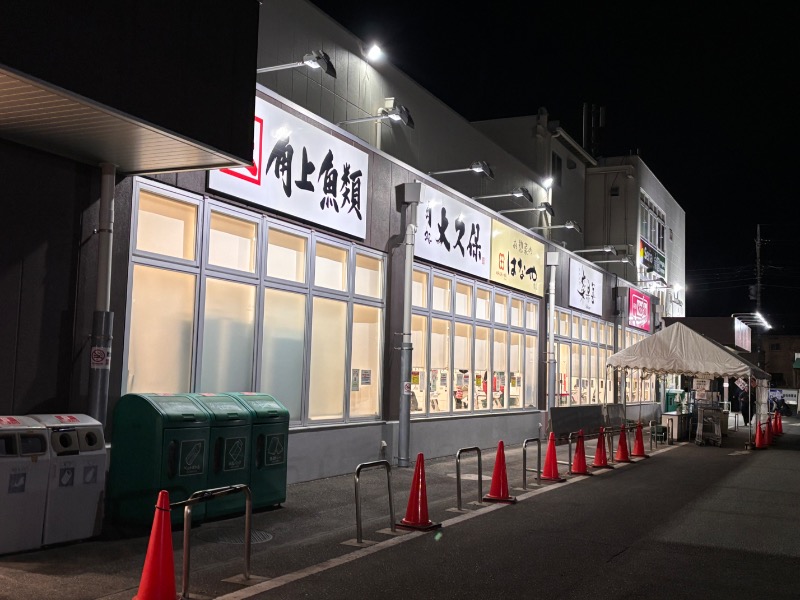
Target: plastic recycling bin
point(77, 482)
point(24, 469)
point(159, 442)
point(229, 448)
point(269, 449)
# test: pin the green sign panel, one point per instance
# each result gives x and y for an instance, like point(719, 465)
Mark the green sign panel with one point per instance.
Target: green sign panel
point(275, 449)
point(234, 454)
point(192, 457)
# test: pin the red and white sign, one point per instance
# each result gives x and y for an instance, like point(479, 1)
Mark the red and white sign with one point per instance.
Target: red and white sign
point(67, 419)
point(638, 309)
point(100, 357)
point(8, 421)
point(303, 171)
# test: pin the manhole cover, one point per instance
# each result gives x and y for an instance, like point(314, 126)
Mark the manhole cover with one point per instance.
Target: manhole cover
point(233, 536)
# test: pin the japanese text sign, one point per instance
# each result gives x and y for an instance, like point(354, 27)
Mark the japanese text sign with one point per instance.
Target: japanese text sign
point(301, 171)
point(585, 287)
point(638, 309)
point(517, 259)
point(452, 234)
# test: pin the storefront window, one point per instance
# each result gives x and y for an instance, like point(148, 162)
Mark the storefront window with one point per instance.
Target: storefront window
point(228, 335)
point(563, 323)
point(499, 370)
point(283, 349)
point(232, 243)
point(516, 313)
point(563, 386)
point(439, 378)
point(166, 226)
point(576, 327)
point(419, 289)
point(441, 294)
point(481, 367)
point(328, 335)
point(463, 299)
point(286, 256)
point(575, 382)
point(330, 267)
point(500, 309)
point(161, 331)
point(365, 362)
point(369, 276)
point(419, 362)
point(593, 331)
point(584, 330)
point(515, 353)
point(531, 316)
point(585, 374)
point(482, 299)
point(593, 387)
point(462, 371)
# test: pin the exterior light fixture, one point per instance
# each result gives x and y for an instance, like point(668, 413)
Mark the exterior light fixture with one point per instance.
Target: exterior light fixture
point(607, 249)
point(519, 192)
point(543, 207)
point(626, 260)
point(316, 59)
point(755, 318)
point(567, 225)
point(392, 111)
point(547, 183)
point(479, 166)
point(373, 52)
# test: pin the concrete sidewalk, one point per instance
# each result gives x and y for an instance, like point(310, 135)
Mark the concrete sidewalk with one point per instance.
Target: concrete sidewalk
point(314, 525)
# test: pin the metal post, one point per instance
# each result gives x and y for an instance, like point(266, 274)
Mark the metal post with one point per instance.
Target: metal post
point(411, 198)
point(552, 262)
point(359, 468)
point(458, 475)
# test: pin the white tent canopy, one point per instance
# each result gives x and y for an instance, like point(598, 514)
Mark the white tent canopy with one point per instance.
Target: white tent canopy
point(679, 350)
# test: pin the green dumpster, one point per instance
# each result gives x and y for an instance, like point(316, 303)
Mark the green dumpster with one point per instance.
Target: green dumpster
point(229, 451)
point(270, 443)
point(160, 442)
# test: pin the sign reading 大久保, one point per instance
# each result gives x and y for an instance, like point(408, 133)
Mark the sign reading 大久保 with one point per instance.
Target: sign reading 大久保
point(301, 171)
point(585, 287)
point(452, 234)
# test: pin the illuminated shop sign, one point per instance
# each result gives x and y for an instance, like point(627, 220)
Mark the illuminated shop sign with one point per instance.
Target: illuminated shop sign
point(585, 287)
point(652, 258)
point(517, 259)
point(300, 170)
point(638, 309)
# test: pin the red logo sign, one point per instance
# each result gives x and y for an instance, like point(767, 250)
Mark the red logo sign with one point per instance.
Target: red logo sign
point(253, 173)
point(8, 421)
point(67, 419)
point(638, 310)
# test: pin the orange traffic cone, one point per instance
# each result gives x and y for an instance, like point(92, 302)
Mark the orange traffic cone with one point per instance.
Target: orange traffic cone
point(638, 445)
point(158, 576)
point(499, 489)
point(760, 442)
point(600, 458)
point(622, 447)
point(778, 427)
point(550, 470)
point(579, 462)
point(417, 511)
point(768, 432)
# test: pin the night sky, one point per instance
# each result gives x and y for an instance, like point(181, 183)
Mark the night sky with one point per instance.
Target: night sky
point(704, 96)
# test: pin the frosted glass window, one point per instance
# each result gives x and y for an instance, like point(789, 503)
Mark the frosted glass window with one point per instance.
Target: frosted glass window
point(463, 299)
point(481, 367)
point(516, 313)
point(499, 374)
point(419, 362)
point(515, 352)
point(232, 243)
point(531, 364)
point(500, 308)
point(531, 315)
point(286, 256)
point(228, 337)
point(166, 226)
point(462, 367)
point(283, 349)
point(419, 289)
point(482, 299)
point(365, 364)
point(593, 331)
point(330, 267)
point(161, 331)
point(585, 375)
point(576, 327)
point(562, 386)
point(328, 345)
point(584, 330)
point(593, 389)
point(441, 294)
point(563, 323)
point(439, 377)
point(601, 333)
point(575, 381)
point(369, 276)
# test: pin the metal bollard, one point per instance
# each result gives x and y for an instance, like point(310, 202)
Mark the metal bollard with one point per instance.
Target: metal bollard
point(368, 465)
point(458, 474)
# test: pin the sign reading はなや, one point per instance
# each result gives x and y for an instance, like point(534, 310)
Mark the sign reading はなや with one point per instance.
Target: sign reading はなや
point(638, 309)
point(452, 234)
point(300, 170)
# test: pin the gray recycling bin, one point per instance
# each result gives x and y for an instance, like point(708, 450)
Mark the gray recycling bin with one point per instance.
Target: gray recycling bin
point(160, 442)
point(229, 449)
point(76, 486)
point(24, 469)
point(269, 449)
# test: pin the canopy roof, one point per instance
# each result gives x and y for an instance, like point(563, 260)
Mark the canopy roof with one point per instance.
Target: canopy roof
point(680, 350)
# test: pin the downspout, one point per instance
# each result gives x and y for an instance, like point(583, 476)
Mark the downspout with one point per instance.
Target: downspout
point(552, 262)
point(103, 318)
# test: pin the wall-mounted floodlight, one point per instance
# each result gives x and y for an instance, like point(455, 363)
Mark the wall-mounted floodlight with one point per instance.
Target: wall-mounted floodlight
point(479, 166)
point(519, 192)
point(607, 249)
point(395, 112)
point(626, 260)
point(567, 225)
point(372, 52)
point(547, 183)
point(543, 207)
point(752, 319)
point(314, 60)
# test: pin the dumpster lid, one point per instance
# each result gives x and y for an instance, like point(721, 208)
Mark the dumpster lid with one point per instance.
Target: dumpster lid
point(14, 423)
point(65, 420)
point(263, 406)
point(174, 407)
point(223, 407)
